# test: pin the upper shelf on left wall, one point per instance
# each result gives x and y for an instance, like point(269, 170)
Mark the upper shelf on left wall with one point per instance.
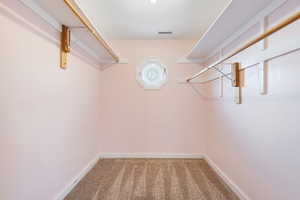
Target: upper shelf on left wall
point(83, 32)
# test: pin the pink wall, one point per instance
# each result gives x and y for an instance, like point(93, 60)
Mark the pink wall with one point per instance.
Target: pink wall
point(168, 121)
point(49, 119)
point(54, 122)
point(257, 143)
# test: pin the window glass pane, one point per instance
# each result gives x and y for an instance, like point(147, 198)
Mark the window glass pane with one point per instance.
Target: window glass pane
point(152, 74)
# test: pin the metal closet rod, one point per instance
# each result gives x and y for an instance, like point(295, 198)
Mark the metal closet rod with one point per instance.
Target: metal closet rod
point(88, 25)
point(227, 74)
point(276, 28)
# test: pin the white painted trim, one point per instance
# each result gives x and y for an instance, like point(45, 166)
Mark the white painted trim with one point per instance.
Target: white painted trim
point(55, 24)
point(255, 20)
point(36, 29)
point(189, 61)
point(44, 15)
point(85, 15)
point(209, 29)
point(262, 57)
point(123, 61)
point(33, 5)
point(150, 155)
point(234, 187)
point(77, 179)
point(12, 13)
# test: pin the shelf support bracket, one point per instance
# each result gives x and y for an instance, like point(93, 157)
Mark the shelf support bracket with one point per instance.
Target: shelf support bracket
point(221, 86)
point(65, 46)
point(263, 66)
point(263, 77)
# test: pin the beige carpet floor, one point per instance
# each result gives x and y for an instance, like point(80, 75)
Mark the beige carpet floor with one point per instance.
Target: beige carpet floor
point(151, 179)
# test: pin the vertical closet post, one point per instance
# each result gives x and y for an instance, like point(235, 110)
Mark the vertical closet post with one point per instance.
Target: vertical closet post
point(263, 77)
point(263, 66)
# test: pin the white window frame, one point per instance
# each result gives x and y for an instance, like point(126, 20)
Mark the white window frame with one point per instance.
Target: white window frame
point(141, 79)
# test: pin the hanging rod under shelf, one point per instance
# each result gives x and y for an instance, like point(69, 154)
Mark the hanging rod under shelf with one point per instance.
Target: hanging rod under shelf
point(276, 28)
point(88, 25)
point(285, 50)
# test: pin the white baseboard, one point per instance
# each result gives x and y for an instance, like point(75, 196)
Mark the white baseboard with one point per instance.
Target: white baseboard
point(150, 155)
point(76, 180)
point(234, 187)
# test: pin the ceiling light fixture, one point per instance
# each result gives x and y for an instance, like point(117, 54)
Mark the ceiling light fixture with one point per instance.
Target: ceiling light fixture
point(153, 1)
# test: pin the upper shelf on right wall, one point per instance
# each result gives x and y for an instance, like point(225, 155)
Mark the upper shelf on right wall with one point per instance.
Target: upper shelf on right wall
point(235, 16)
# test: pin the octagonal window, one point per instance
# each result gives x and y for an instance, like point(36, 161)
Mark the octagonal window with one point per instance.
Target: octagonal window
point(152, 74)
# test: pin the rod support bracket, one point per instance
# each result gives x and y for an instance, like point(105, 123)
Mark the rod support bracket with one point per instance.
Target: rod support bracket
point(235, 75)
point(236, 82)
point(65, 46)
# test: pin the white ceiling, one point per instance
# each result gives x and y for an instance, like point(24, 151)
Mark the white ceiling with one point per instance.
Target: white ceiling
point(139, 19)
